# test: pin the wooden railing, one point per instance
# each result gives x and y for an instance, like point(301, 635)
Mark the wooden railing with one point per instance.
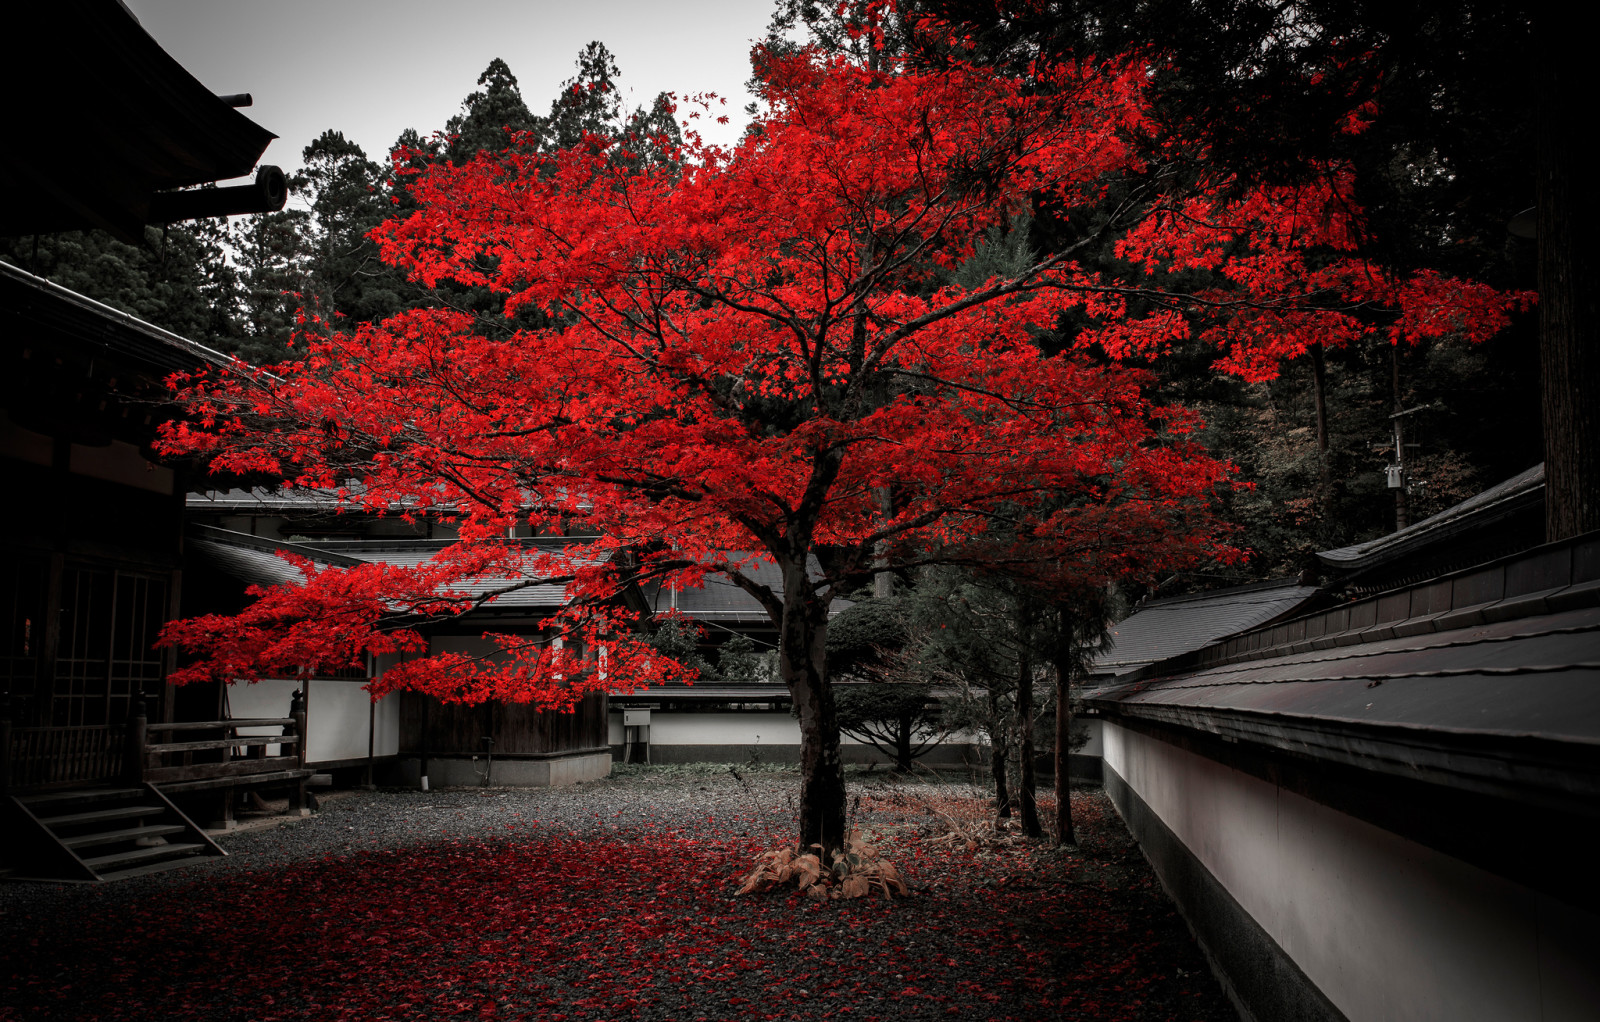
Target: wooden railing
point(200, 753)
point(38, 757)
point(206, 750)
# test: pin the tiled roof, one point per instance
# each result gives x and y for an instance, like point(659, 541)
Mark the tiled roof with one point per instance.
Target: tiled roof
point(1487, 679)
point(262, 500)
point(720, 600)
point(1165, 628)
point(1475, 512)
point(32, 302)
point(253, 559)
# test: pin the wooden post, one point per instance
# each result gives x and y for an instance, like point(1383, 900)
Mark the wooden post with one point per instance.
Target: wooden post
point(5, 744)
point(138, 738)
point(372, 723)
point(1064, 831)
point(224, 809)
point(297, 710)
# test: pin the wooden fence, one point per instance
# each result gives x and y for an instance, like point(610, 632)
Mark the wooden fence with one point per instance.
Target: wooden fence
point(194, 755)
point(41, 757)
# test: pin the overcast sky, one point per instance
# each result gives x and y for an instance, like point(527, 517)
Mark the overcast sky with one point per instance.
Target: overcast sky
point(373, 69)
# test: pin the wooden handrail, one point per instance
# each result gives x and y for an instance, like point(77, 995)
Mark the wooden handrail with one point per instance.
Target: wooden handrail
point(145, 757)
point(202, 725)
point(223, 743)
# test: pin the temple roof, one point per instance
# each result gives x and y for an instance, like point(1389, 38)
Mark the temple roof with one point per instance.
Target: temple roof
point(1481, 511)
point(1178, 624)
point(110, 120)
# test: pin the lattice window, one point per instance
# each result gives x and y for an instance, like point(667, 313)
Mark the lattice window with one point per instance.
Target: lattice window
point(109, 623)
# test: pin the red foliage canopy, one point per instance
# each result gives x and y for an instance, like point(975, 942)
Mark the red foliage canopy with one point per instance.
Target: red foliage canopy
point(761, 350)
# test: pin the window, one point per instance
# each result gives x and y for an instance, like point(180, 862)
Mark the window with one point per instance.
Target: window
point(109, 624)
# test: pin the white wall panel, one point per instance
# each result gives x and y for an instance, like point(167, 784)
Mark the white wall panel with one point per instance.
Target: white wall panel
point(336, 717)
point(752, 728)
point(267, 698)
point(756, 727)
point(1390, 930)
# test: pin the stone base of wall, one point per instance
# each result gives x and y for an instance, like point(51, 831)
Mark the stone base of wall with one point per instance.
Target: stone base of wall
point(461, 771)
point(1263, 982)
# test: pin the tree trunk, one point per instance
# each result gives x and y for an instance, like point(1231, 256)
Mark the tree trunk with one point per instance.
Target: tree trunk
point(1402, 510)
point(1569, 303)
point(902, 745)
point(1065, 835)
point(1030, 808)
point(1319, 389)
point(803, 666)
point(998, 748)
point(882, 577)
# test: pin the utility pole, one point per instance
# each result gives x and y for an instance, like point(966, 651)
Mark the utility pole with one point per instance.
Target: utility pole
point(1397, 472)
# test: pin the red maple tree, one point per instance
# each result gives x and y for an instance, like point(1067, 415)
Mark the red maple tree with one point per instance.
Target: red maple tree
point(758, 352)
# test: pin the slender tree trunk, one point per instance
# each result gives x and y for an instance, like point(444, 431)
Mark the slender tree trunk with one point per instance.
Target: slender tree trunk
point(999, 749)
point(1065, 835)
point(1319, 390)
point(1569, 293)
point(902, 746)
point(882, 577)
point(803, 667)
point(1402, 510)
point(1030, 808)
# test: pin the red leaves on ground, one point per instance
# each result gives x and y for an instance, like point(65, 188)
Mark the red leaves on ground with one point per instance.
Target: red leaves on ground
point(563, 928)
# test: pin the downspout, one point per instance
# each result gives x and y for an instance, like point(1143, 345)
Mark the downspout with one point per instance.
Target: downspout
point(372, 723)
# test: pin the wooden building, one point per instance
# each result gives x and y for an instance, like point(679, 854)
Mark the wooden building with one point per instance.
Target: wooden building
point(91, 535)
point(407, 736)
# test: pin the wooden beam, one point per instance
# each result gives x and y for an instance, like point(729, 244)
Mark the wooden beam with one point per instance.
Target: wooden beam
point(222, 743)
point(233, 770)
point(204, 784)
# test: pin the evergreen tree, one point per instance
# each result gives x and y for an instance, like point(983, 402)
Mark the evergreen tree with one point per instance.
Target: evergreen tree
point(488, 116)
point(178, 277)
point(1432, 107)
point(344, 188)
point(588, 103)
point(274, 253)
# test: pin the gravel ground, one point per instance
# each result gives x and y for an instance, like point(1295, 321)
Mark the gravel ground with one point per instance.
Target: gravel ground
point(608, 900)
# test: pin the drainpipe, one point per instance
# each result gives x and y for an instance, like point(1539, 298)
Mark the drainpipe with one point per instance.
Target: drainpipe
point(372, 725)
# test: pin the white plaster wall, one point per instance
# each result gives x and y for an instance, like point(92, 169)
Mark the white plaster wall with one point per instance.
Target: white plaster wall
point(752, 728)
point(266, 698)
point(771, 727)
point(1390, 930)
point(1095, 746)
point(336, 717)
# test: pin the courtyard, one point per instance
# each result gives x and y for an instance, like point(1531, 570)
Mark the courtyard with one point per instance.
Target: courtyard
point(616, 899)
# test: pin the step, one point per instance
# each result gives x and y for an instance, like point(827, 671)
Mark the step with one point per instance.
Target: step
point(56, 798)
point(129, 834)
point(139, 856)
point(153, 867)
point(101, 816)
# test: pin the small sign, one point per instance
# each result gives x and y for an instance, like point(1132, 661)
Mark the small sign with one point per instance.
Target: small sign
point(635, 718)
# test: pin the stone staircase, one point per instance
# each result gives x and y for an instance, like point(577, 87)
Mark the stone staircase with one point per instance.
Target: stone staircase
point(99, 834)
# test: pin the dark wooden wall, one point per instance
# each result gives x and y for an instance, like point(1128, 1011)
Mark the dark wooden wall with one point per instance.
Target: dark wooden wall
point(430, 727)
